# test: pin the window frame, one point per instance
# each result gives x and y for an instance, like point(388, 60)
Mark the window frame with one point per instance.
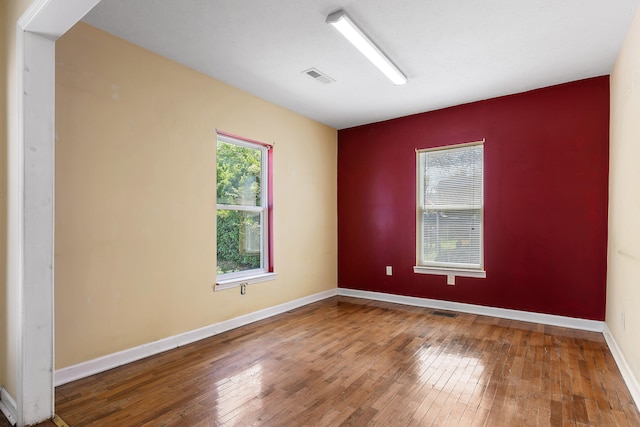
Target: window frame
point(442, 268)
point(266, 270)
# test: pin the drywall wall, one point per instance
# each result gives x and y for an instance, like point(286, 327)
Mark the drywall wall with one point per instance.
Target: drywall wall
point(623, 276)
point(135, 198)
point(545, 219)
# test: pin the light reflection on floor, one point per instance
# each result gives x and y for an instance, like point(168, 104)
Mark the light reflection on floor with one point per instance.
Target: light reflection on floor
point(449, 371)
point(239, 390)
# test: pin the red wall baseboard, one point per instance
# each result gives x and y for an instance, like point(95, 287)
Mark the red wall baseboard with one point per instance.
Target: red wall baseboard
point(546, 191)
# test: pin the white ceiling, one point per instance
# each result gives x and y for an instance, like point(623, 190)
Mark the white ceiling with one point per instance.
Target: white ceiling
point(452, 51)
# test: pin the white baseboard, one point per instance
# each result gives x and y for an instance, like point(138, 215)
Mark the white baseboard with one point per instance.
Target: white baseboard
point(623, 366)
point(110, 361)
point(8, 406)
point(503, 313)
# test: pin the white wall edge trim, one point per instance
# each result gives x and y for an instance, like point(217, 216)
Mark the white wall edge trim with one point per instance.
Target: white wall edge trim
point(29, 184)
point(503, 313)
point(8, 406)
point(623, 366)
point(53, 18)
point(110, 361)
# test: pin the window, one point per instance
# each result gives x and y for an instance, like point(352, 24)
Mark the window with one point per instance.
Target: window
point(243, 212)
point(450, 210)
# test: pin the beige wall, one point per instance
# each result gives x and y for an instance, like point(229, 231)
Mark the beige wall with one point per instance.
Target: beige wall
point(623, 281)
point(10, 11)
point(135, 197)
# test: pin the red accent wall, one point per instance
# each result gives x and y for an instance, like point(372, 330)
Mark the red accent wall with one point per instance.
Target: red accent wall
point(546, 189)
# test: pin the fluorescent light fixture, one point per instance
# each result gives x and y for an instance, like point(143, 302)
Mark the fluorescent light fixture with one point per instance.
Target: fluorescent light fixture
point(351, 32)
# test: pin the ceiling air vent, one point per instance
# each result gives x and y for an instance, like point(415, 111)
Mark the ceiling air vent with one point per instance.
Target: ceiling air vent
point(319, 75)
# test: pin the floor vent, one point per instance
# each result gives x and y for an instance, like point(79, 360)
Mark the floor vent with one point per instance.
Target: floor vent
point(444, 314)
point(319, 76)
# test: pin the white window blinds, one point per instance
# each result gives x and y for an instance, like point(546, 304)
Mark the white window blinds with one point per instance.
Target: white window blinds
point(450, 207)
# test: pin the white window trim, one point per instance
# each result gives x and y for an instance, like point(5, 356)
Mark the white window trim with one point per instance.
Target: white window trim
point(262, 274)
point(437, 270)
point(421, 269)
point(249, 279)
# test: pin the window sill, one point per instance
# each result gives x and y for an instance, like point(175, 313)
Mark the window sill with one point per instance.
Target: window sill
point(249, 280)
point(419, 269)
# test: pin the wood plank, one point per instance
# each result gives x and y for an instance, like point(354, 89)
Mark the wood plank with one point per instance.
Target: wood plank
point(358, 362)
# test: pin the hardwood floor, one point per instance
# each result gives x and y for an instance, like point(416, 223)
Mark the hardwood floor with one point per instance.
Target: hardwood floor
point(346, 361)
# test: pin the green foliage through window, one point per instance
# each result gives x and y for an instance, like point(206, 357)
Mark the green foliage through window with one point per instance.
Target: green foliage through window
point(232, 233)
point(238, 174)
point(240, 215)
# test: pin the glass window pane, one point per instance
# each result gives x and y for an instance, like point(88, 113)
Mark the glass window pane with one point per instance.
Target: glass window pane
point(238, 174)
point(452, 237)
point(453, 177)
point(239, 238)
point(450, 207)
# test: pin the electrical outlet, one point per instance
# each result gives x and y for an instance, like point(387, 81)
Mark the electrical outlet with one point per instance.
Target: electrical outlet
point(243, 289)
point(389, 270)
